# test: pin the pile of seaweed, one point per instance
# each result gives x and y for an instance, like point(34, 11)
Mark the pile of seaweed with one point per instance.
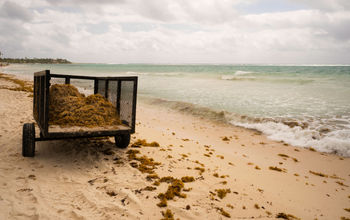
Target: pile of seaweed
point(68, 107)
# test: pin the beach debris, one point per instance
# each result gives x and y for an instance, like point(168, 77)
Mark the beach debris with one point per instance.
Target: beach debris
point(146, 165)
point(222, 192)
point(347, 209)
point(334, 176)
point(149, 188)
point(201, 170)
point(25, 190)
point(188, 207)
point(293, 124)
point(32, 176)
point(184, 155)
point(151, 177)
point(286, 216)
point(295, 159)
point(174, 189)
point(223, 212)
point(156, 183)
point(277, 169)
point(111, 193)
point(197, 162)
point(187, 179)
point(318, 174)
point(283, 155)
point(132, 154)
point(68, 107)
point(311, 149)
point(256, 206)
point(167, 179)
point(168, 215)
point(341, 183)
point(220, 156)
point(230, 206)
point(23, 86)
point(344, 218)
point(257, 167)
point(225, 138)
point(142, 142)
point(91, 182)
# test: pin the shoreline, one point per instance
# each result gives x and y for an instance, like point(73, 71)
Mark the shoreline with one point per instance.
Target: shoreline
point(92, 179)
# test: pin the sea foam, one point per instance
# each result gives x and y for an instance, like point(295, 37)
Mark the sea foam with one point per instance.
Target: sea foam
point(337, 141)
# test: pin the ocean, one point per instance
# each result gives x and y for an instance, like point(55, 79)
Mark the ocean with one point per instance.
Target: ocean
point(305, 106)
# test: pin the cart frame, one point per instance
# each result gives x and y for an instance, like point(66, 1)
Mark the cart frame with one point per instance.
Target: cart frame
point(41, 99)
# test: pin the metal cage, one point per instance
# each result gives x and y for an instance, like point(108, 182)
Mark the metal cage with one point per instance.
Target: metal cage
point(120, 91)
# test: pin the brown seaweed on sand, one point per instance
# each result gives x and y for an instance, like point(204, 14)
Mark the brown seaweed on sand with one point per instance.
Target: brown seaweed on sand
point(283, 155)
point(318, 174)
point(277, 169)
point(223, 212)
point(144, 143)
point(286, 216)
point(222, 192)
point(168, 215)
point(146, 165)
point(22, 85)
point(174, 189)
point(150, 177)
point(187, 179)
point(225, 138)
point(341, 184)
point(201, 170)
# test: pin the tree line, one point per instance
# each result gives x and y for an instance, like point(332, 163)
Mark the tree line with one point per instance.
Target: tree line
point(33, 60)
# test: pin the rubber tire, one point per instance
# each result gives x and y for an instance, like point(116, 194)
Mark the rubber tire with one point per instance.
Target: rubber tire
point(28, 140)
point(122, 140)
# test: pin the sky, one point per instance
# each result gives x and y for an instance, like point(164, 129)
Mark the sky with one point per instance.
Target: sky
point(178, 31)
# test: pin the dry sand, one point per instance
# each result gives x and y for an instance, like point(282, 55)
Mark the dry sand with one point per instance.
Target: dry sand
point(91, 179)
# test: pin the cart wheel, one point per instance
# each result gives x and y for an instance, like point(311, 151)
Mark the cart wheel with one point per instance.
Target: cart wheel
point(28, 140)
point(122, 140)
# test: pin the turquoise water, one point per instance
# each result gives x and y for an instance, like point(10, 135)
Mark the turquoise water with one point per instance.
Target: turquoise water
point(307, 106)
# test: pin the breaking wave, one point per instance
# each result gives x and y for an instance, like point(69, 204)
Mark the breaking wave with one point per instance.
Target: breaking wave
point(330, 135)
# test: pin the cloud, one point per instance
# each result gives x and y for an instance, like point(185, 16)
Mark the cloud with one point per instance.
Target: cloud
point(77, 2)
point(326, 5)
point(15, 11)
point(322, 24)
point(176, 31)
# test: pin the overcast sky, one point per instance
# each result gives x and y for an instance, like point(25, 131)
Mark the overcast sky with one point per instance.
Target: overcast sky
point(178, 31)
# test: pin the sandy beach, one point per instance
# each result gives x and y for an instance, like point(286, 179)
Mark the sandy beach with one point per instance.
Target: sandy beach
point(237, 173)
